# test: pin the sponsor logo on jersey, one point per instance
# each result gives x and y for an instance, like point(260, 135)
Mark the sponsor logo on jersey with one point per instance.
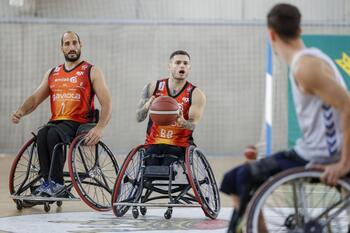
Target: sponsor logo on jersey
point(71, 79)
point(70, 96)
point(185, 99)
point(57, 69)
point(161, 86)
point(79, 73)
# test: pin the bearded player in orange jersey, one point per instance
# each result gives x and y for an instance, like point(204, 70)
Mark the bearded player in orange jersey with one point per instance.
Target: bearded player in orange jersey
point(71, 87)
point(173, 139)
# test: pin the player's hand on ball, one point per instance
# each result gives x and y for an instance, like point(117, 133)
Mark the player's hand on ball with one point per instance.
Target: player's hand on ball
point(149, 102)
point(180, 117)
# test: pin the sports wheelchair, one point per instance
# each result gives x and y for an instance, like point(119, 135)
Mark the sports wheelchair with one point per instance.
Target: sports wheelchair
point(92, 171)
point(296, 201)
point(187, 182)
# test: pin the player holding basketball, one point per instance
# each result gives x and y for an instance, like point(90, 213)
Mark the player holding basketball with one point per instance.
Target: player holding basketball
point(322, 108)
point(172, 139)
point(71, 87)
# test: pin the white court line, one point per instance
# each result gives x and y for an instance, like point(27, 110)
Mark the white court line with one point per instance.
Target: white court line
point(189, 220)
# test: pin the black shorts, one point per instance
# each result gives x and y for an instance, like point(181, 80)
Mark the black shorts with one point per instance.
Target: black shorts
point(163, 154)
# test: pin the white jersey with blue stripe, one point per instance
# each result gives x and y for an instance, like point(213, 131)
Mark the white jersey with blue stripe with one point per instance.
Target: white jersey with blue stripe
point(319, 123)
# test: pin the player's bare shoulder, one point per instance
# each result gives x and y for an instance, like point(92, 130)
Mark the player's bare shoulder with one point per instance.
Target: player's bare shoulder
point(96, 73)
point(151, 87)
point(198, 96)
point(311, 71)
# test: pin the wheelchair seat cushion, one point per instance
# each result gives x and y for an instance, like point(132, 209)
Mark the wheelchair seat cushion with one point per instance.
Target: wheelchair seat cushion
point(157, 172)
point(85, 128)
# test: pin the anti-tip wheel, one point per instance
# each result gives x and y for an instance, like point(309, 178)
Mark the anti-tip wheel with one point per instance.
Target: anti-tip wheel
point(143, 210)
point(135, 212)
point(47, 207)
point(19, 204)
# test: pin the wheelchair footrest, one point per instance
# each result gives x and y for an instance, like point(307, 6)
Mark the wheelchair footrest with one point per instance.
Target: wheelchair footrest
point(157, 172)
point(43, 199)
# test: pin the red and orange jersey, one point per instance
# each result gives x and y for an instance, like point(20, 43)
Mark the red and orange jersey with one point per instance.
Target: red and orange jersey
point(172, 134)
point(71, 93)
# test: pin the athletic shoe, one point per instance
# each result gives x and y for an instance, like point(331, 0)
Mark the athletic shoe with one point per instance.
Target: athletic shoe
point(53, 190)
point(44, 185)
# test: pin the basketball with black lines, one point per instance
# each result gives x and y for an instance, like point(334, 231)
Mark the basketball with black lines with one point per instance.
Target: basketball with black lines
point(164, 110)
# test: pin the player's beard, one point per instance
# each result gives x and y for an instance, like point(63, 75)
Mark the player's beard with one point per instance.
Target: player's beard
point(72, 59)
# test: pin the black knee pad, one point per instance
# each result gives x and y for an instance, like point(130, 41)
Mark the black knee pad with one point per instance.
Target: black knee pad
point(263, 169)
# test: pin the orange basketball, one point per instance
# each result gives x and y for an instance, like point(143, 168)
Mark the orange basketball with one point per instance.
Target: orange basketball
point(164, 110)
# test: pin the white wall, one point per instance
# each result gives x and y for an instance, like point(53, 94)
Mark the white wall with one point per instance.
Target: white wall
point(228, 61)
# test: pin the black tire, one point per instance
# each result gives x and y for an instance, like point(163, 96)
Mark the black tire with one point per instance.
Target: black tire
point(203, 182)
point(93, 170)
point(24, 175)
point(280, 200)
point(128, 180)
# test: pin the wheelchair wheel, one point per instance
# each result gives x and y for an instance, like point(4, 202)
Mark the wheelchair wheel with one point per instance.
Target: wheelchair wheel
point(93, 170)
point(296, 201)
point(202, 181)
point(24, 175)
point(127, 183)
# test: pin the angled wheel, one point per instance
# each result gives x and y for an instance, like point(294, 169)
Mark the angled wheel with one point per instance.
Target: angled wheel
point(93, 170)
point(128, 180)
point(24, 175)
point(202, 180)
point(296, 201)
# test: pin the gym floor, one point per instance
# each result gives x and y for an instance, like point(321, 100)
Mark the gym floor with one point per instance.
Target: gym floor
point(183, 219)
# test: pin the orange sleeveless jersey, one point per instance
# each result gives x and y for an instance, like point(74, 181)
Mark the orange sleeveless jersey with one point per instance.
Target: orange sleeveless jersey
point(71, 93)
point(171, 134)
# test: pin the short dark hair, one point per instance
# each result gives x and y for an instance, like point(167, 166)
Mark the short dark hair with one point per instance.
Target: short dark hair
point(179, 52)
point(285, 19)
point(69, 32)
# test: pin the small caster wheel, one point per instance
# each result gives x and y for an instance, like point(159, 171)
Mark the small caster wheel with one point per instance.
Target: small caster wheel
point(59, 203)
point(168, 213)
point(19, 204)
point(143, 210)
point(47, 207)
point(135, 213)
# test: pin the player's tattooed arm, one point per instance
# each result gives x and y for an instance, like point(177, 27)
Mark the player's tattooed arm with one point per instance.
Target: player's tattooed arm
point(145, 102)
point(188, 124)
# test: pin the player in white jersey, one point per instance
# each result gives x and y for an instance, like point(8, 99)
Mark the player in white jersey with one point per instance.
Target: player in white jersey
point(322, 107)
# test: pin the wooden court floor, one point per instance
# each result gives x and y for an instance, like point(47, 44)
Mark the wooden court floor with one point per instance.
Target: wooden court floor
point(8, 208)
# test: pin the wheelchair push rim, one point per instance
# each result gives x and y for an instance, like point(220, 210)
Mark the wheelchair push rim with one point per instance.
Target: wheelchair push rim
point(23, 179)
point(127, 176)
point(202, 181)
point(93, 170)
point(306, 198)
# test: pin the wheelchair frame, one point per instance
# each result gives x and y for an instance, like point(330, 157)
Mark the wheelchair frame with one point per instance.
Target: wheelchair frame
point(21, 192)
point(177, 193)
